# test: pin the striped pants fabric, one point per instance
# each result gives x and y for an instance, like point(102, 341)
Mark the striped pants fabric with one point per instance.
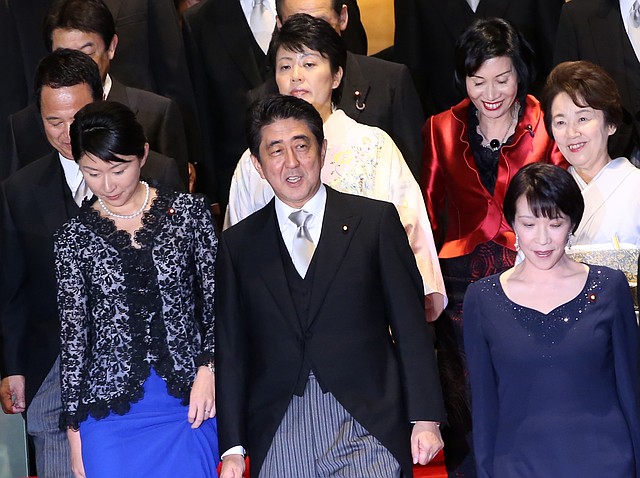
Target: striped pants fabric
point(52, 448)
point(318, 438)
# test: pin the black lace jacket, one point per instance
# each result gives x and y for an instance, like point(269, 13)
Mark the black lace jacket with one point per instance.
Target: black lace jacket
point(125, 309)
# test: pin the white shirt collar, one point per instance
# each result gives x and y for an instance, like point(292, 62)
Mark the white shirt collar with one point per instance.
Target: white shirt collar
point(72, 174)
point(106, 88)
point(315, 206)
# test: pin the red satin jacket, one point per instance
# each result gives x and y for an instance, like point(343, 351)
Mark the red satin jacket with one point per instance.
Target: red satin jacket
point(463, 213)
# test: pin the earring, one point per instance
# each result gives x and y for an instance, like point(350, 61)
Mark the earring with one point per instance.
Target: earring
point(570, 241)
point(517, 244)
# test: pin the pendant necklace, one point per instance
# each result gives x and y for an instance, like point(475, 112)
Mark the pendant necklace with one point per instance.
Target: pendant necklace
point(495, 144)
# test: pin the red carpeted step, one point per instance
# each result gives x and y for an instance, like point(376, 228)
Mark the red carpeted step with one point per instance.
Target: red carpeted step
point(435, 469)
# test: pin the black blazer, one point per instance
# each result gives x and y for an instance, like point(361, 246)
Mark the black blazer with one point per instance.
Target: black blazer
point(366, 280)
point(151, 56)
point(225, 63)
point(159, 117)
point(426, 32)
point(593, 30)
point(377, 93)
point(150, 52)
point(36, 202)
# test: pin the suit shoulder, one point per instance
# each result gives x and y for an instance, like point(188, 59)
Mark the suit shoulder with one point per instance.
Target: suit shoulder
point(580, 10)
point(148, 97)
point(25, 115)
point(380, 69)
point(194, 15)
point(247, 227)
point(28, 174)
point(360, 203)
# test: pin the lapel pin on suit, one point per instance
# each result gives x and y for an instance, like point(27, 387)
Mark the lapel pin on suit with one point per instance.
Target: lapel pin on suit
point(345, 228)
point(361, 102)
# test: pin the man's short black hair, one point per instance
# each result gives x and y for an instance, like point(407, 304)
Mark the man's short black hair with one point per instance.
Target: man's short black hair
point(88, 16)
point(279, 107)
point(65, 68)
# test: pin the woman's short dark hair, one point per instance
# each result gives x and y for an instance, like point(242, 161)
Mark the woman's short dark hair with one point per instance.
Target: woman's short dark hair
point(280, 107)
point(587, 85)
point(105, 129)
point(549, 190)
point(302, 31)
point(489, 38)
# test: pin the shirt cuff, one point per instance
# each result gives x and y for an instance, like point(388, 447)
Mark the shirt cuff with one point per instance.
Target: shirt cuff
point(234, 450)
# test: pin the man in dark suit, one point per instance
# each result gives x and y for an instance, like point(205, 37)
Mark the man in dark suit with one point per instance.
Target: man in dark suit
point(225, 62)
point(37, 200)
point(88, 26)
point(150, 55)
point(596, 31)
point(320, 322)
point(375, 92)
point(427, 31)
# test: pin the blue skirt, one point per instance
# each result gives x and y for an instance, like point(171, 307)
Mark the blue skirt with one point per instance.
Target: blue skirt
point(153, 439)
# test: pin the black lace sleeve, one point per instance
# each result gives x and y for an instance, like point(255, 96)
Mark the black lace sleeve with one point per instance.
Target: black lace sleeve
point(72, 307)
point(205, 248)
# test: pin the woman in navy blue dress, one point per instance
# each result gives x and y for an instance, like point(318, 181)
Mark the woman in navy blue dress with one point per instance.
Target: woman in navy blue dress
point(552, 347)
point(135, 273)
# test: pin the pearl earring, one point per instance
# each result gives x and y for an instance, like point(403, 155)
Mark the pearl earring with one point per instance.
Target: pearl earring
point(517, 244)
point(570, 241)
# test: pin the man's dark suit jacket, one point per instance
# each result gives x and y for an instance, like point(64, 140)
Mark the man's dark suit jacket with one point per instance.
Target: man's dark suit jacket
point(427, 30)
point(159, 117)
point(36, 202)
point(150, 52)
point(593, 30)
point(365, 281)
point(225, 63)
point(392, 103)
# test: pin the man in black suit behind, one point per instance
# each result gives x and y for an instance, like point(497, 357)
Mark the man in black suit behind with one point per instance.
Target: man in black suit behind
point(339, 342)
point(88, 26)
point(37, 200)
point(596, 31)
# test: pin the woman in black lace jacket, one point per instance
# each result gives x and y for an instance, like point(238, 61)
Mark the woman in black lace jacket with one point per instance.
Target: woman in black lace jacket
point(135, 275)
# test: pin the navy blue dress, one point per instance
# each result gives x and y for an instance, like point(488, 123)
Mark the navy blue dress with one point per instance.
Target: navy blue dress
point(554, 395)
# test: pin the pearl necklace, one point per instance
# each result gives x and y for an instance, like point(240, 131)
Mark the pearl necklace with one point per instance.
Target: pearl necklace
point(128, 216)
point(494, 144)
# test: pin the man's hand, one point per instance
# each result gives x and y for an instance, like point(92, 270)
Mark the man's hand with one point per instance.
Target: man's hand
point(426, 442)
point(232, 466)
point(12, 394)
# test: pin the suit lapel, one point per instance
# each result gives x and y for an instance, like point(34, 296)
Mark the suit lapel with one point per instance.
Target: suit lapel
point(235, 33)
point(611, 41)
point(269, 265)
point(47, 193)
point(354, 81)
point(338, 228)
point(118, 93)
point(493, 8)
